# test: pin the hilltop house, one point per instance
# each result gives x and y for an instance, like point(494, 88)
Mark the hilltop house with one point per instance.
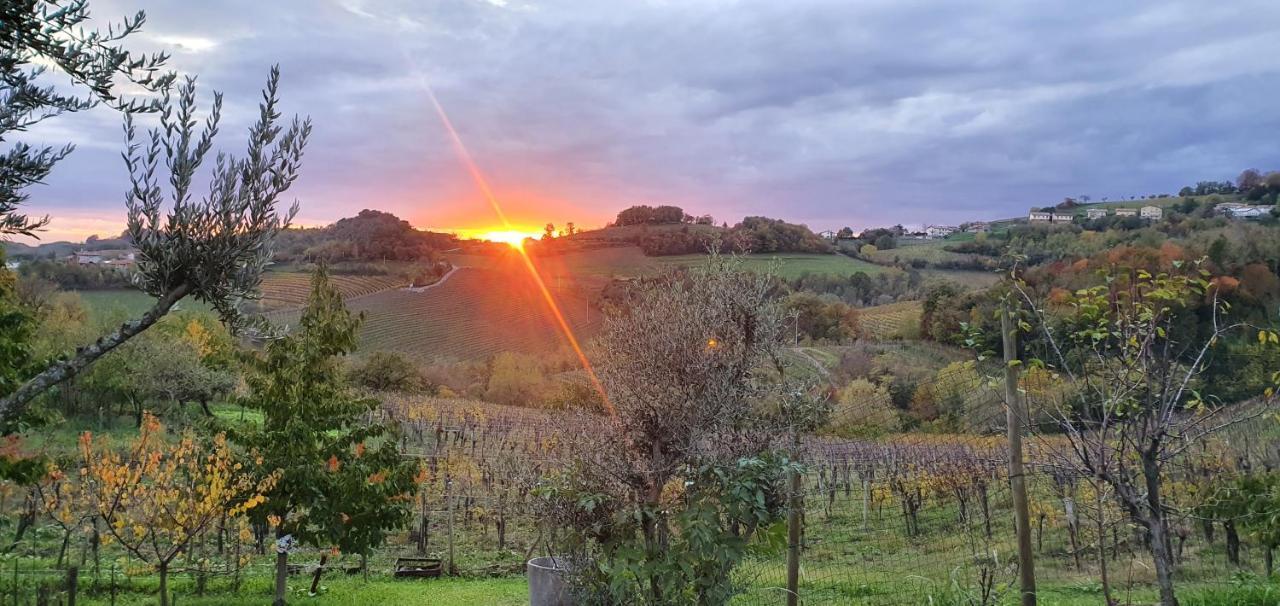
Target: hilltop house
point(1095, 213)
point(1063, 217)
point(1152, 213)
point(1038, 216)
point(1236, 210)
point(1126, 212)
point(939, 231)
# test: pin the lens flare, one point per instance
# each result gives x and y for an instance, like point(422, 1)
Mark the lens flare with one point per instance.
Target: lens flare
point(483, 185)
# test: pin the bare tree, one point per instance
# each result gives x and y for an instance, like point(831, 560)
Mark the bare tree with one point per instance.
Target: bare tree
point(1135, 411)
point(213, 248)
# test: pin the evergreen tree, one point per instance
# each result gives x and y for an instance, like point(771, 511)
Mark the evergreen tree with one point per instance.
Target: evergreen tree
point(342, 482)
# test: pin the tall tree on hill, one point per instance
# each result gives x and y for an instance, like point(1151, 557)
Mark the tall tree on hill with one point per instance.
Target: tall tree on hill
point(214, 248)
point(341, 480)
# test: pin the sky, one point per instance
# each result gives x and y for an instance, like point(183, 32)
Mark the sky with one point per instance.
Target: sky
point(825, 113)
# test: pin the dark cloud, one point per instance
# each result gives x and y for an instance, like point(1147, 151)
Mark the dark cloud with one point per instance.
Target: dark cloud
point(830, 113)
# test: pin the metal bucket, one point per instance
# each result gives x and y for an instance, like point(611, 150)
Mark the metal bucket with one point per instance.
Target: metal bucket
point(547, 586)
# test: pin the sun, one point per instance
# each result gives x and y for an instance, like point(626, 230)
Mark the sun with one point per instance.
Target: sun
point(512, 237)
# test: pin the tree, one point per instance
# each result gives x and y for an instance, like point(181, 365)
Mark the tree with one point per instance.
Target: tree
point(214, 248)
point(548, 232)
point(37, 35)
point(388, 371)
point(160, 497)
point(341, 481)
point(1135, 410)
point(570, 229)
point(1248, 179)
point(664, 494)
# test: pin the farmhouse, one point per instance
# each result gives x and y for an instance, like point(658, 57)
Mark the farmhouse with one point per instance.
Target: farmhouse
point(86, 258)
point(978, 227)
point(1063, 217)
point(1095, 213)
point(939, 231)
point(1152, 212)
point(1037, 216)
point(1236, 210)
point(1126, 212)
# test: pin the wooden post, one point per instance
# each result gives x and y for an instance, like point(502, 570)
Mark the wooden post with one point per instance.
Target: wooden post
point(1017, 481)
point(73, 584)
point(793, 531)
point(449, 497)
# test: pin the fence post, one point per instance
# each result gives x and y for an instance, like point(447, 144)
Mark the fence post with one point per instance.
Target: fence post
point(73, 584)
point(1017, 481)
point(793, 530)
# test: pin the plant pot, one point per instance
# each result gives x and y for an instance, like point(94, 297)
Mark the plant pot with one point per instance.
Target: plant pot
point(547, 586)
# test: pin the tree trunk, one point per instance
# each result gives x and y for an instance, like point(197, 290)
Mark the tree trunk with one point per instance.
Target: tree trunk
point(164, 583)
point(1233, 542)
point(1157, 533)
point(13, 405)
point(1268, 560)
point(282, 576)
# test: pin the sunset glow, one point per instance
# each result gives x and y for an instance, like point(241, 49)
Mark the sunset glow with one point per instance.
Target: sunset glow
point(513, 237)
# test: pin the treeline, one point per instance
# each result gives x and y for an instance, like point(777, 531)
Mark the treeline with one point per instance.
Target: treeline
point(658, 215)
point(752, 235)
point(371, 235)
point(1252, 183)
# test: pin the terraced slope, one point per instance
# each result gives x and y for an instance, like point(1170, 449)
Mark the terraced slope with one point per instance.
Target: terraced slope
point(288, 290)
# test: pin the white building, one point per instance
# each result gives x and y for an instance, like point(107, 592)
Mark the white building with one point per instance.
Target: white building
point(1126, 212)
point(1152, 213)
point(1063, 217)
point(939, 231)
point(1095, 213)
point(1235, 210)
point(1037, 216)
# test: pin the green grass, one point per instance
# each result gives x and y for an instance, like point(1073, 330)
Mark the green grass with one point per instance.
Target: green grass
point(337, 590)
point(130, 302)
point(790, 266)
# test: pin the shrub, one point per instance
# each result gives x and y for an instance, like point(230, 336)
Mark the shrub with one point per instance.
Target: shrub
point(389, 371)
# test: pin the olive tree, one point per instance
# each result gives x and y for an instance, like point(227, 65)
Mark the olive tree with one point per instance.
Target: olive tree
point(213, 248)
point(664, 494)
point(41, 34)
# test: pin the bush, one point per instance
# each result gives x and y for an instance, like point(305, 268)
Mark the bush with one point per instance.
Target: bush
point(388, 371)
point(863, 409)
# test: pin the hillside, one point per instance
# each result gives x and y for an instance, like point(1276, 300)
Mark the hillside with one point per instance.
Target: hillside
point(474, 313)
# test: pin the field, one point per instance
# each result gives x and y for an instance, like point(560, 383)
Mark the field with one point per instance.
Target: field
point(629, 261)
point(474, 313)
point(127, 302)
point(288, 290)
point(893, 321)
point(931, 252)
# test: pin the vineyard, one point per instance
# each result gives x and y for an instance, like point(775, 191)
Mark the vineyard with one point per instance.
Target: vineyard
point(289, 290)
point(903, 519)
point(892, 321)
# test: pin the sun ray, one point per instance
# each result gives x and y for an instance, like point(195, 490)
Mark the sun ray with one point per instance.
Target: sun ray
point(483, 185)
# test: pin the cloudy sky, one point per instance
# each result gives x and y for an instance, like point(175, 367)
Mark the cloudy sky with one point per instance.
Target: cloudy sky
point(828, 113)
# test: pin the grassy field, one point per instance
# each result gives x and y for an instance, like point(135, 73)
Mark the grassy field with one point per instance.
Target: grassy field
point(128, 302)
point(287, 290)
point(931, 252)
point(790, 266)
